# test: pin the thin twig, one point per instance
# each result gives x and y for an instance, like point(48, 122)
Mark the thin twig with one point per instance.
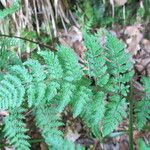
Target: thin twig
point(25, 39)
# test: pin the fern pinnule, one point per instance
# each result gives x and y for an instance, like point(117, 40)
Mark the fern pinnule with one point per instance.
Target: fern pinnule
point(15, 129)
point(36, 93)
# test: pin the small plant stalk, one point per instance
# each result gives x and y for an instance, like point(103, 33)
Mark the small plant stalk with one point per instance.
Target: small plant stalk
point(131, 118)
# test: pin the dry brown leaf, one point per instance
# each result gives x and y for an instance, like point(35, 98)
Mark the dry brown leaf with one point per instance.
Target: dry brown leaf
point(146, 44)
point(79, 49)
point(73, 39)
point(123, 145)
point(9, 148)
point(134, 38)
point(73, 35)
point(72, 136)
point(120, 2)
point(43, 146)
point(4, 113)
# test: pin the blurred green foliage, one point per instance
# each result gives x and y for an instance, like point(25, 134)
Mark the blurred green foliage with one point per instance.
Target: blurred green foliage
point(101, 12)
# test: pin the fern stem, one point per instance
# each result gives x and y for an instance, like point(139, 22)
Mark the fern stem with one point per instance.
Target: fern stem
point(28, 40)
point(131, 117)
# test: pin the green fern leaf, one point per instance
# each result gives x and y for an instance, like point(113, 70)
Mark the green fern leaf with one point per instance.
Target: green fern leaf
point(16, 91)
point(120, 70)
point(88, 25)
point(60, 143)
point(52, 90)
point(11, 10)
point(19, 89)
point(66, 95)
point(36, 94)
point(142, 145)
point(22, 73)
point(10, 43)
point(54, 68)
point(15, 129)
point(143, 107)
point(36, 69)
point(36, 91)
point(95, 59)
point(48, 121)
point(80, 100)
point(119, 66)
point(95, 112)
point(115, 112)
point(71, 68)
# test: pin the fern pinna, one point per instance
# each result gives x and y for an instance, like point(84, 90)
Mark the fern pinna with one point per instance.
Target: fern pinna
point(142, 108)
point(120, 71)
point(96, 92)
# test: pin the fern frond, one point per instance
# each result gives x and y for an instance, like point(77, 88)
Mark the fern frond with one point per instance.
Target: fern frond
point(54, 68)
point(15, 129)
point(88, 25)
point(143, 107)
point(69, 61)
point(95, 57)
point(115, 112)
point(11, 10)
